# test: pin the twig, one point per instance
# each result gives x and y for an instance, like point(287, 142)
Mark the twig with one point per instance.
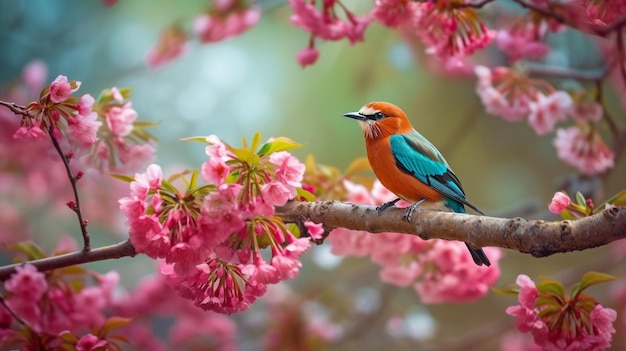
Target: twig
point(542, 70)
point(76, 205)
point(541, 10)
point(119, 250)
point(535, 237)
point(15, 108)
point(475, 5)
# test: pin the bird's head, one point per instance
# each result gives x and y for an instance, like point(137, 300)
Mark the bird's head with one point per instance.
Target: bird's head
point(381, 119)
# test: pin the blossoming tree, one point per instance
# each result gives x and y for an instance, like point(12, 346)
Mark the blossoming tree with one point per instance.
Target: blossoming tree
point(226, 232)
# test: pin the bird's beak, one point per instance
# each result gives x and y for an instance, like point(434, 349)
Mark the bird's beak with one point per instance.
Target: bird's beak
point(355, 115)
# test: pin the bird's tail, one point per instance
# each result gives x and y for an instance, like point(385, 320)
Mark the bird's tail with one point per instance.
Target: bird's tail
point(478, 256)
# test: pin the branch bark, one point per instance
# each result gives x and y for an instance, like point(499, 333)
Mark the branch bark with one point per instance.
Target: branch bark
point(119, 250)
point(536, 237)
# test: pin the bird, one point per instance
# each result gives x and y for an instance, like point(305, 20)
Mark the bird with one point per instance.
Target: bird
point(409, 165)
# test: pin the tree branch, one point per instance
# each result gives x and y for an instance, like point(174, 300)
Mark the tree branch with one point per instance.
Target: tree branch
point(536, 237)
point(119, 250)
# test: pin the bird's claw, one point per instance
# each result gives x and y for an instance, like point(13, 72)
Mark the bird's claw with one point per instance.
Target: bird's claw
point(409, 211)
point(386, 205)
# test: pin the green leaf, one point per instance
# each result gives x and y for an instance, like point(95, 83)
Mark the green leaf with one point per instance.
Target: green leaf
point(114, 323)
point(505, 291)
point(589, 279)
point(581, 199)
point(565, 214)
point(201, 139)
point(359, 165)
point(276, 145)
point(194, 180)
point(122, 177)
point(145, 124)
point(618, 199)
point(68, 337)
point(551, 286)
point(256, 141)
point(306, 195)
point(30, 249)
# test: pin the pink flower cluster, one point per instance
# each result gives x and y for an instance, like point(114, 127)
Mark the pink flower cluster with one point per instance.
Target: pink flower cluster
point(524, 39)
point(171, 45)
point(574, 327)
point(122, 144)
point(153, 298)
point(53, 307)
point(211, 235)
point(325, 24)
point(57, 105)
point(226, 18)
point(584, 149)
point(450, 32)
point(514, 96)
point(439, 270)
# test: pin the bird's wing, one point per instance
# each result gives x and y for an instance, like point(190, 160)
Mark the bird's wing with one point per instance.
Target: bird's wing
point(418, 157)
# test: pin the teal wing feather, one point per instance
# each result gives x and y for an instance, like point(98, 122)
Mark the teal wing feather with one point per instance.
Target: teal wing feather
point(418, 157)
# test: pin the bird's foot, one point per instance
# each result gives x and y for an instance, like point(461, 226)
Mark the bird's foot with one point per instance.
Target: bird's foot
point(409, 211)
point(386, 205)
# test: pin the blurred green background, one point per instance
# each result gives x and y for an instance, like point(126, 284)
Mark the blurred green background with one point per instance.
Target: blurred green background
point(253, 83)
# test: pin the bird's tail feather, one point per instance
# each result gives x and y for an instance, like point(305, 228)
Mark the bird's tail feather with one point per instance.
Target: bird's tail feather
point(478, 256)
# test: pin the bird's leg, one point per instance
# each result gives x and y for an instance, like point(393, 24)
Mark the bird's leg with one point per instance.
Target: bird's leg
point(409, 211)
point(386, 205)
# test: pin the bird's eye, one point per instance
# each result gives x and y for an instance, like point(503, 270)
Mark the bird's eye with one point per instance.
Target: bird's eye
point(378, 116)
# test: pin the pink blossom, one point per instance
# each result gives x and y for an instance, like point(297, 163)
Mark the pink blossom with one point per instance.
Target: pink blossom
point(307, 56)
point(220, 215)
point(290, 170)
point(357, 193)
point(231, 22)
point(261, 271)
point(91, 342)
point(85, 128)
point(587, 111)
point(602, 320)
point(120, 119)
point(512, 105)
point(296, 247)
point(546, 111)
point(559, 202)
point(171, 45)
point(569, 327)
point(393, 13)
point(117, 94)
point(380, 193)
point(524, 40)
point(27, 283)
point(61, 89)
point(286, 267)
point(454, 276)
point(216, 286)
point(403, 275)
point(316, 230)
point(449, 32)
point(345, 242)
point(215, 171)
point(276, 193)
point(587, 152)
point(85, 105)
point(34, 75)
point(33, 131)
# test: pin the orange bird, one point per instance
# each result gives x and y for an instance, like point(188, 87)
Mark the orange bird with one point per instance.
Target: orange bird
point(408, 165)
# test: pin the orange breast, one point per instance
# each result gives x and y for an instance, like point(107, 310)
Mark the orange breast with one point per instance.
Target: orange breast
point(403, 185)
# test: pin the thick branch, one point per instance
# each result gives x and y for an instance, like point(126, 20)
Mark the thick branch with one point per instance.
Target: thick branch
point(538, 238)
point(119, 250)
